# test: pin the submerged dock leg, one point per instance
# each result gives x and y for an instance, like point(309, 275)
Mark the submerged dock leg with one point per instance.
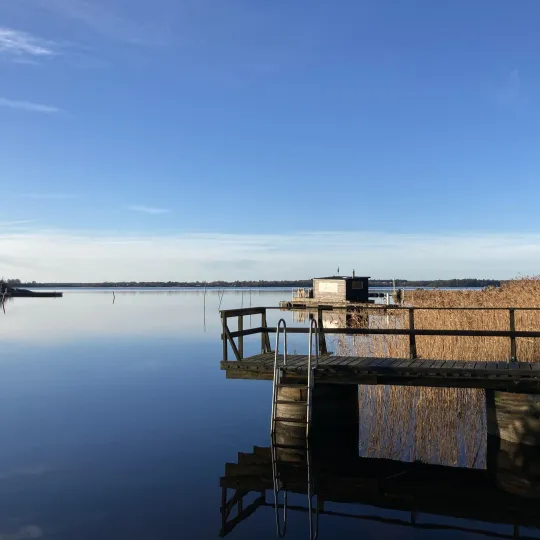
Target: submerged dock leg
point(334, 419)
point(513, 417)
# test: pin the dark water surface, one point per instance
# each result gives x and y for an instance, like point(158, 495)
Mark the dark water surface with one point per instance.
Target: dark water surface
point(117, 423)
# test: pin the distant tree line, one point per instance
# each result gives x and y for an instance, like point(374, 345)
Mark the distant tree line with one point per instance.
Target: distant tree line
point(265, 283)
point(442, 283)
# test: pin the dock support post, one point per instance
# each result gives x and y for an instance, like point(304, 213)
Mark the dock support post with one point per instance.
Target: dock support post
point(513, 354)
point(265, 338)
point(241, 338)
point(513, 417)
point(412, 336)
point(334, 420)
point(224, 335)
point(322, 338)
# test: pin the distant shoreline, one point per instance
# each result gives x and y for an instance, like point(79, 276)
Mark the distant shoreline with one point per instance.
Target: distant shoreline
point(374, 283)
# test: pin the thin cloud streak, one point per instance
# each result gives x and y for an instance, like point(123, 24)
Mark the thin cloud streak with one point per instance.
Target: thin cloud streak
point(100, 18)
point(51, 196)
point(19, 43)
point(28, 106)
point(147, 209)
point(57, 255)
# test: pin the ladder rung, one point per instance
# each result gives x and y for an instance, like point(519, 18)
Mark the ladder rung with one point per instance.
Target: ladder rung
point(297, 386)
point(292, 420)
point(290, 446)
point(287, 402)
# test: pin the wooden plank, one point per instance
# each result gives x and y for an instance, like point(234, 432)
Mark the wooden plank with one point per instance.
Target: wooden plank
point(438, 364)
point(535, 366)
point(406, 364)
point(350, 360)
point(388, 362)
point(243, 311)
point(469, 365)
point(480, 365)
point(502, 366)
point(427, 364)
point(248, 332)
point(296, 362)
point(524, 366)
point(458, 364)
point(336, 360)
point(377, 363)
point(416, 363)
point(371, 362)
point(513, 366)
point(360, 362)
point(448, 364)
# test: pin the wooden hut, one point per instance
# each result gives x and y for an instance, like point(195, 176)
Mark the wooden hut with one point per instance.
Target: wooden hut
point(336, 289)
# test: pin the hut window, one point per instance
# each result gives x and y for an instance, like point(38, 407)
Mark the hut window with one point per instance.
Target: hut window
point(357, 284)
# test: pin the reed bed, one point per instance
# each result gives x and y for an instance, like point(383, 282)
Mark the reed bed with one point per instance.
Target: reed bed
point(439, 425)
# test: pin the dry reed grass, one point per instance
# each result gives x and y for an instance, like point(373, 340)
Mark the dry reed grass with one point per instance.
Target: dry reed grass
point(440, 425)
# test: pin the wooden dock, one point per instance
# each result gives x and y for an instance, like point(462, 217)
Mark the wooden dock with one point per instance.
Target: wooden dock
point(507, 376)
point(510, 376)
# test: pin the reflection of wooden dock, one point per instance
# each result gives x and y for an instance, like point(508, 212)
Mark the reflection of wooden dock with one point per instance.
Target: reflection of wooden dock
point(494, 495)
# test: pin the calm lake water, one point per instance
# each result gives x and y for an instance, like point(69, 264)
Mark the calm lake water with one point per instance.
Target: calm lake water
point(117, 423)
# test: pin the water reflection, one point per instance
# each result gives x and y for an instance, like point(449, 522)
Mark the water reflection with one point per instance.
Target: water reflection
point(413, 494)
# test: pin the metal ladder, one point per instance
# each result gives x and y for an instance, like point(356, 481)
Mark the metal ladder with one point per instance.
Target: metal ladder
point(279, 371)
point(281, 524)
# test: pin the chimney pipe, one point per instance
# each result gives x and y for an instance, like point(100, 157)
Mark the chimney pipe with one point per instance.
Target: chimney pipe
point(353, 273)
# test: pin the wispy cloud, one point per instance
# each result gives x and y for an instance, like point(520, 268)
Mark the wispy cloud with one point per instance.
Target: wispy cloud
point(99, 17)
point(96, 256)
point(28, 106)
point(50, 196)
point(147, 209)
point(18, 223)
point(20, 45)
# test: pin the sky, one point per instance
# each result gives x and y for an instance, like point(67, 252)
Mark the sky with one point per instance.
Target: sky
point(246, 139)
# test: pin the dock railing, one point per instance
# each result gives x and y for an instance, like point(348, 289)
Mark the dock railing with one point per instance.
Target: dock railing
point(228, 337)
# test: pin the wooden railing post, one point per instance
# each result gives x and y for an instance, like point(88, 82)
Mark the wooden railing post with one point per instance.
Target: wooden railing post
point(265, 338)
point(224, 335)
point(513, 354)
point(241, 338)
point(412, 336)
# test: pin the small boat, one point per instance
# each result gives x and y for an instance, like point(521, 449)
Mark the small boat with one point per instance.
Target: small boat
point(10, 292)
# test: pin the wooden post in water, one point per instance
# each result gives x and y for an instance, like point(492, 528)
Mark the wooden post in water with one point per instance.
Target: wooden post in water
point(334, 421)
point(265, 338)
point(224, 335)
point(513, 417)
point(241, 338)
point(515, 468)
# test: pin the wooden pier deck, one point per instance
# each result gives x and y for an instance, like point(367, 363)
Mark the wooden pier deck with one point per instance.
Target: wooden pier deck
point(510, 375)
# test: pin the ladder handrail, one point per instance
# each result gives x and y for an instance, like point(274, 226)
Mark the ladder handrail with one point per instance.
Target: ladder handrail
point(311, 374)
point(313, 325)
point(313, 524)
point(276, 377)
point(277, 488)
point(284, 342)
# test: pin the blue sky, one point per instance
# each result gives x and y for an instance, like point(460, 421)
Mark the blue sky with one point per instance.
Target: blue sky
point(244, 138)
